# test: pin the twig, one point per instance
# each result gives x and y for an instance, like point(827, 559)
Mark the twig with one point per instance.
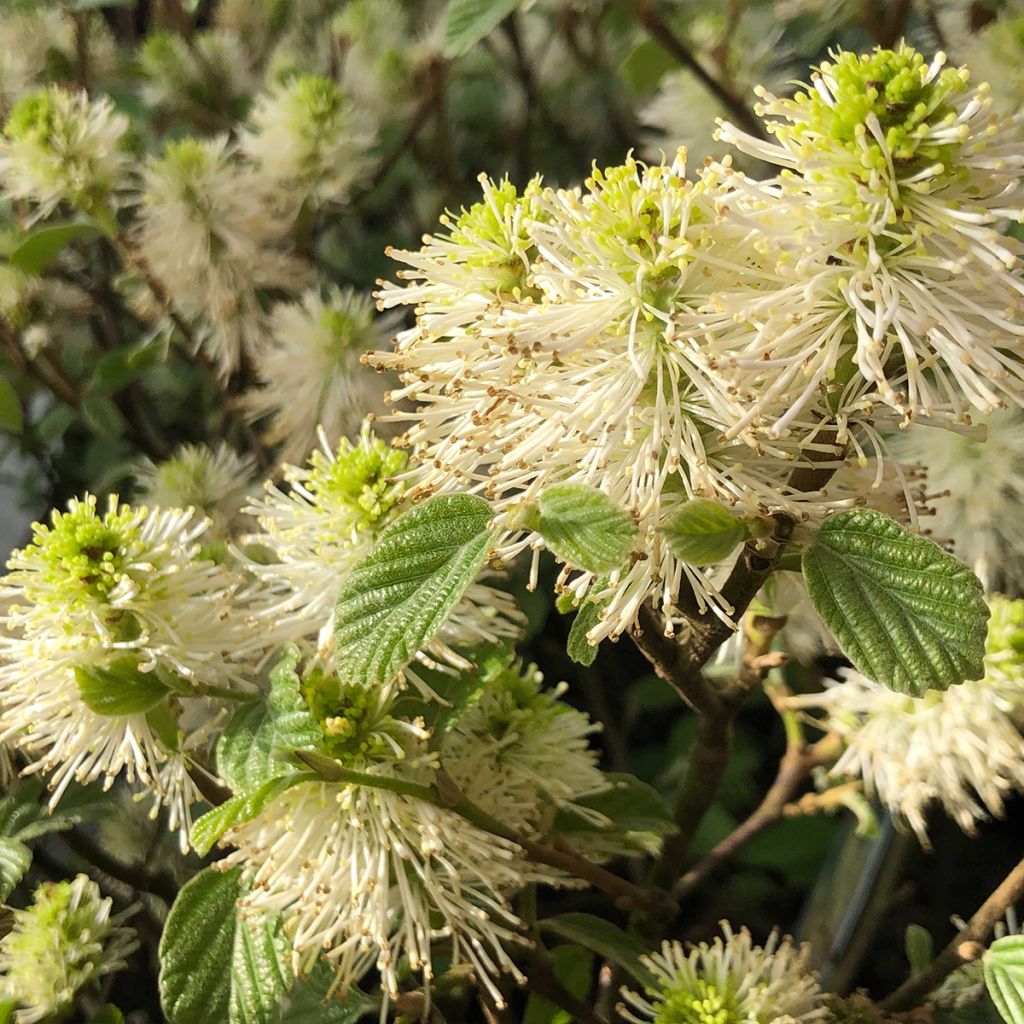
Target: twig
point(966, 946)
point(647, 13)
point(796, 764)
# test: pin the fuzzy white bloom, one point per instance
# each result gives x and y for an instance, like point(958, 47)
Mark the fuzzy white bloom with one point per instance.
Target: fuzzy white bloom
point(996, 55)
point(309, 141)
point(557, 339)
point(25, 37)
point(728, 981)
point(519, 750)
point(311, 372)
point(975, 483)
point(60, 146)
point(367, 876)
point(961, 748)
point(329, 518)
point(206, 79)
point(119, 602)
point(207, 230)
point(63, 941)
point(217, 481)
point(683, 112)
point(897, 285)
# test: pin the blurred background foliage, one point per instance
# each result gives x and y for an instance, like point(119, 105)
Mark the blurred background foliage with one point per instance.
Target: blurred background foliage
point(90, 389)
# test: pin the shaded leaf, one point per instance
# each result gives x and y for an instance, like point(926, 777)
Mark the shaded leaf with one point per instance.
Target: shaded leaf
point(11, 418)
point(704, 532)
point(308, 1002)
point(39, 248)
point(604, 938)
point(119, 688)
point(1003, 964)
point(15, 858)
point(468, 21)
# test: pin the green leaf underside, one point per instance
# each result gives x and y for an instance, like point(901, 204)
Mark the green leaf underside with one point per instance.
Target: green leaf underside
point(216, 965)
point(579, 648)
point(604, 938)
point(468, 21)
point(906, 613)
point(119, 689)
point(239, 809)
point(585, 528)
point(396, 599)
point(1003, 964)
point(704, 532)
point(247, 751)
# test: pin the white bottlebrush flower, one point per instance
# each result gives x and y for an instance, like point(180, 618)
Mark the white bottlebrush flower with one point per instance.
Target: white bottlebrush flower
point(217, 481)
point(309, 141)
point(310, 371)
point(25, 37)
point(556, 342)
point(368, 876)
point(326, 521)
point(61, 146)
point(519, 750)
point(64, 941)
point(896, 181)
point(996, 55)
point(728, 981)
point(207, 231)
point(975, 485)
point(123, 592)
point(206, 79)
point(961, 748)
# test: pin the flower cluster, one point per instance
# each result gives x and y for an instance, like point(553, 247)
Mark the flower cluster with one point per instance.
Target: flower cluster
point(961, 748)
point(112, 619)
point(64, 941)
point(662, 338)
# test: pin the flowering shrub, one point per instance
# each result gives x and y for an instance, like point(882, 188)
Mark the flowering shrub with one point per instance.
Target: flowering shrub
point(747, 412)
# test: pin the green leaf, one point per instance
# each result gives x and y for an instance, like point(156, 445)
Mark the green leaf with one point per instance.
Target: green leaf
point(906, 613)
point(15, 857)
point(11, 418)
point(109, 1014)
point(244, 807)
point(704, 532)
point(308, 1002)
point(53, 424)
point(637, 815)
point(468, 21)
point(215, 966)
point(645, 66)
point(573, 966)
point(579, 648)
point(604, 938)
point(1003, 964)
point(248, 748)
point(398, 597)
point(38, 249)
point(102, 416)
point(585, 528)
point(919, 947)
point(119, 688)
point(7, 1008)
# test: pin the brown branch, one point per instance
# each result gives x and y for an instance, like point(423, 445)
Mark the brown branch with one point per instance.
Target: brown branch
point(648, 15)
point(794, 767)
point(965, 947)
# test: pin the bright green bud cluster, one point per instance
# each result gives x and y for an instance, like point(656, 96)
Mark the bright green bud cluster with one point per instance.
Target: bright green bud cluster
point(702, 1003)
point(348, 329)
point(184, 160)
point(897, 88)
point(350, 718)
point(319, 99)
point(494, 235)
point(82, 556)
point(34, 117)
point(59, 944)
point(360, 478)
